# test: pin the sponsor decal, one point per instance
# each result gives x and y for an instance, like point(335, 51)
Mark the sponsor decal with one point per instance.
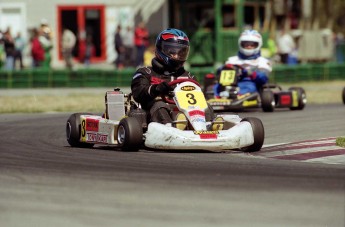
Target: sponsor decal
point(198, 119)
point(219, 102)
point(218, 107)
point(208, 136)
point(102, 138)
point(97, 138)
point(206, 132)
point(92, 125)
point(250, 103)
point(243, 96)
point(92, 137)
point(196, 113)
point(188, 88)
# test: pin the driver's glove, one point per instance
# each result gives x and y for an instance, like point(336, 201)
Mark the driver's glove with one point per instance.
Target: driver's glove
point(161, 89)
point(248, 73)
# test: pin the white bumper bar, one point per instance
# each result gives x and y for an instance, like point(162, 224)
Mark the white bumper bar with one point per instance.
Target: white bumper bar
point(159, 136)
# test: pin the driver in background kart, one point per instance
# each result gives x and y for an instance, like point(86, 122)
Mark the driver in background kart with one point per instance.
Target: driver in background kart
point(255, 69)
point(150, 83)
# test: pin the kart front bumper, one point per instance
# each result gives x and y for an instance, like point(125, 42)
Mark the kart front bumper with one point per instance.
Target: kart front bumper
point(160, 136)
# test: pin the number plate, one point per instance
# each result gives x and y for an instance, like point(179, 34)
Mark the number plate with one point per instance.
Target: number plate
point(188, 99)
point(227, 77)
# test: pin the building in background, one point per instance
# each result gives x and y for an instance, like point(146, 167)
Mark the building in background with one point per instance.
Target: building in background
point(84, 18)
point(213, 26)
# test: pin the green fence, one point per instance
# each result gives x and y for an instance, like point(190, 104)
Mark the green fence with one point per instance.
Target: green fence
point(308, 72)
point(116, 78)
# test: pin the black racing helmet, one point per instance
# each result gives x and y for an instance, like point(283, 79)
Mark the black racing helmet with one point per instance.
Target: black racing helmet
point(172, 48)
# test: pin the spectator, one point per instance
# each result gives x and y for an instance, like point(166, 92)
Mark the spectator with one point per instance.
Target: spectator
point(47, 45)
point(19, 47)
point(37, 51)
point(148, 55)
point(68, 42)
point(119, 48)
point(47, 31)
point(339, 42)
point(141, 41)
point(86, 50)
point(286, 46)
point(9, 49)
point(2, 51)
point(128, 43)
point(270, 52)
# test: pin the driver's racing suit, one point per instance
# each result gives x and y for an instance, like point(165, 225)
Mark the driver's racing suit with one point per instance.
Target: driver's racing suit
point(144, 90)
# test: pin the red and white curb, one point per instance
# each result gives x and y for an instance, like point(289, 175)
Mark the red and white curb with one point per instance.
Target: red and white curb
point(322, 150)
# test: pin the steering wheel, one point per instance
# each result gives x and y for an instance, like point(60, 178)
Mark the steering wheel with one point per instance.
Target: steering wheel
point(174, 82)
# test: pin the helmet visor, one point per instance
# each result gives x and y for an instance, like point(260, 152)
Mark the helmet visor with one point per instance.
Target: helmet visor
point(249, 44)
point(175, 51)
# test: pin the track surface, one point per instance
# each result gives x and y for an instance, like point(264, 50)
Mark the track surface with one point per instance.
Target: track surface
point(44, 182)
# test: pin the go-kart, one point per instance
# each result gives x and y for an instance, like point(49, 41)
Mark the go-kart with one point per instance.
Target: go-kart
point(343, 95)
point(195, 126)
point(268, 97)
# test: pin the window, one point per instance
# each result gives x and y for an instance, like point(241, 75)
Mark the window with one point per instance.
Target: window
point(229, 18)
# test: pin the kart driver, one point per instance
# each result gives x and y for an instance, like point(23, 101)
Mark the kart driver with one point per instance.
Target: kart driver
point(255, 69)
point(150, 83)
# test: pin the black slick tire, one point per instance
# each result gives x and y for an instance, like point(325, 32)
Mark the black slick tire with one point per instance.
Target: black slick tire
point(258, 133)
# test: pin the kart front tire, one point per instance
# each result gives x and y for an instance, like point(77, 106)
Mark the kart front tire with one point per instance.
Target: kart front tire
point(73, 131)
point(302, 98)
point(267, 101)
point(344, 95)
point(258, 133)
point(130, 134)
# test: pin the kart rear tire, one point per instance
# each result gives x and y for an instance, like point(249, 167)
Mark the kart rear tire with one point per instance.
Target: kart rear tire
point(130, 134)
point(209, 113)
point(302, 98)
point(258, 133)
point(73, 131)
point(344, 95)
point(267, 101)
point(209, 80)
point(209, 94)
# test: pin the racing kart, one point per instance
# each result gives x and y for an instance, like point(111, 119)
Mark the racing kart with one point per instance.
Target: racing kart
point(343, 95)
point(195, 126)
point(268, 97)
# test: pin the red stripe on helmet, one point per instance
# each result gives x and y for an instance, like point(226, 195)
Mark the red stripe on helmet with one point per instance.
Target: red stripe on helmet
point(172, 36)
point(168, 36)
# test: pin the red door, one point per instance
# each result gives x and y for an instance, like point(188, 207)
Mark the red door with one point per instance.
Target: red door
point(84, 21)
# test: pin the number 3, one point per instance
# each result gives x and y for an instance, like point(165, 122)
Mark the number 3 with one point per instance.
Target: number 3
point(191, 99)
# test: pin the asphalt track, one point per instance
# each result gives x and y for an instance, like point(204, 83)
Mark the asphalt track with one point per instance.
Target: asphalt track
point(44, 182)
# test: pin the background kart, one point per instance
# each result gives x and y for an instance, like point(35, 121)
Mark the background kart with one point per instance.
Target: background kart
point(195, 127)
point(269, 97)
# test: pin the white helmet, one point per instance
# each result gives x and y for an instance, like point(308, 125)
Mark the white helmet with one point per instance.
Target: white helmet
point(250, 36)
